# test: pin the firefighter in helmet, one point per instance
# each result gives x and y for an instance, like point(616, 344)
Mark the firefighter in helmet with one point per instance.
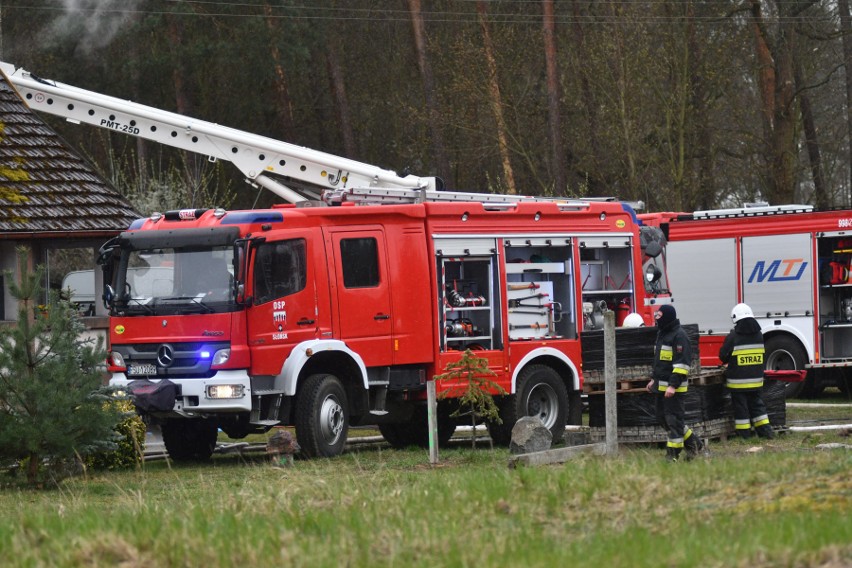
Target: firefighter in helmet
point(743, 352)
point(672, 358)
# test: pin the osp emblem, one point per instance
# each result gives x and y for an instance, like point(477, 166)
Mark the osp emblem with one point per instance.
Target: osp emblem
point(165, 355)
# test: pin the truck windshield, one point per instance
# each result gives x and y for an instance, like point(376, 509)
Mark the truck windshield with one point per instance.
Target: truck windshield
point(176, 281)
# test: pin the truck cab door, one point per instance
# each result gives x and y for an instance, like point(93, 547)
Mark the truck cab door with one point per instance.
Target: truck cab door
point(283, 311)
point(363, 292)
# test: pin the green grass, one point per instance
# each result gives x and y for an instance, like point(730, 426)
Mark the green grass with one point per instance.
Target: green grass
point(787, 505)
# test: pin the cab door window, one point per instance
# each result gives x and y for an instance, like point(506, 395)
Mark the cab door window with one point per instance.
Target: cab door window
point(360, 259)
point(279, 270)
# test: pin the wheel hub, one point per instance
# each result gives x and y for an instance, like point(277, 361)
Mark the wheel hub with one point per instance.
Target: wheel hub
point(331, 420)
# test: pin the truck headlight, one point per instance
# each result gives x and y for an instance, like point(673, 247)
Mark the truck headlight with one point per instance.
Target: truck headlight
point(220, 357)
point(116, 359)
point(225, 391)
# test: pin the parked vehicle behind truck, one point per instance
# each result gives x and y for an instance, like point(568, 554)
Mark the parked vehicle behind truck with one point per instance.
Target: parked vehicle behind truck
point(790, 263)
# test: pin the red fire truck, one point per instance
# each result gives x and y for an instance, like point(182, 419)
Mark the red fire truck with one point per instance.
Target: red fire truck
point(791, 264)
point(326, 315)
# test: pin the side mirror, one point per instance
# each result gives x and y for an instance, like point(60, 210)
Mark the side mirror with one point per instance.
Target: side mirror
point(109, 295)
point(653, 249)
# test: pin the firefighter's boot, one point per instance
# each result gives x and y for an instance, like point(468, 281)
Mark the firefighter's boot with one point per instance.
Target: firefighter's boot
point(672, 454)
point(695, 447)
point(744, 434)
point(765, 431)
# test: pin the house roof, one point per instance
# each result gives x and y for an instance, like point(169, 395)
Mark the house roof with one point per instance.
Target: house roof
point(46, 189)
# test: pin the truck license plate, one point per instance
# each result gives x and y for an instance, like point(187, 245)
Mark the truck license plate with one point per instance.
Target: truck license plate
point(135, 370)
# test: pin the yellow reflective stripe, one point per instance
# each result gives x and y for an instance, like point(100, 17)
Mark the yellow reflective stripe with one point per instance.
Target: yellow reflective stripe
point(675, 443)
point(748, 350)
point(680, 369)
point(742, 426)
point(751, 347)
point(663, 385)
point(751, 385)
point(761, 421)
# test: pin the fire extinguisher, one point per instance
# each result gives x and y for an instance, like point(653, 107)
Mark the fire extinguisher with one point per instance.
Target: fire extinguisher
point(621, 312)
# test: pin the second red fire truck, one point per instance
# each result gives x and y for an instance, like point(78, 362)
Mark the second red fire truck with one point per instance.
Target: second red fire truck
point(789, 263)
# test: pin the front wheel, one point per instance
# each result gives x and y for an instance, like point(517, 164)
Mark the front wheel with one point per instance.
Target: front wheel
point(542, 393)
point(189, 439)
point(322, 416)
point(786, 354)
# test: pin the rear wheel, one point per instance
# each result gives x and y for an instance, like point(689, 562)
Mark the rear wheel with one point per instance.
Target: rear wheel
point(784, 353)
point(189, 440)
point(322, 416)
point(540, 393)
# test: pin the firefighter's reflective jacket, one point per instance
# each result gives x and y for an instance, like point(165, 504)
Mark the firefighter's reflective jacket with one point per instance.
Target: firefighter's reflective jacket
point(743, 351)
point(672, 356)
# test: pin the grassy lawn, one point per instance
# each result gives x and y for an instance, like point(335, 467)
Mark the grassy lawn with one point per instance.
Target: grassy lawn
point(786, 504)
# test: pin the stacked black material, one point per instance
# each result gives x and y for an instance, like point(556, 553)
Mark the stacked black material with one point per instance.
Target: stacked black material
point(633, 346)
point(702, 403)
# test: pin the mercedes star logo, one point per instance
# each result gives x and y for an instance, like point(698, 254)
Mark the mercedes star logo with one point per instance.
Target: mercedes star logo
point(165, 355)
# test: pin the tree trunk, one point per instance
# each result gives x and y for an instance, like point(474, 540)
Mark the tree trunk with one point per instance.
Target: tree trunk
point(776, 87)
point(495, 99)
point(183, 104)
point(32, 468)
point(283, 102)
point(821, 199)
point(553, 96)
point(442, 165)
point(846, 35)
point(338, 88)
point(589, 100)
point(705, 155)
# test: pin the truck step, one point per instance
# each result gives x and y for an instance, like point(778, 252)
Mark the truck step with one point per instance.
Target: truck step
point(266, 422)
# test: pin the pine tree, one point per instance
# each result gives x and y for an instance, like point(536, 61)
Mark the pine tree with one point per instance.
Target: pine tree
point(473, 388)
point(54, 406)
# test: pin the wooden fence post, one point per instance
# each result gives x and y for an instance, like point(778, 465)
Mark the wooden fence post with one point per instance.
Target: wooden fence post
point(610, 406)
point(432, 404)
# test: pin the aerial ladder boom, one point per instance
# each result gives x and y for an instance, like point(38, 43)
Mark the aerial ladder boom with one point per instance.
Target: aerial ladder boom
point(264, 161)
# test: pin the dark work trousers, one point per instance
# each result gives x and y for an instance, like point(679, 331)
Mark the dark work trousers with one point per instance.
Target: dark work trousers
point(749, 410)
point(670, 415)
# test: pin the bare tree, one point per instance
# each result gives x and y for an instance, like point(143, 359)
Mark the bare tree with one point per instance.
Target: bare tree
point(283, 102)
point(777, 88)
point(438, 146)
point(554, 122)
point(846, 37)
point(495, 99)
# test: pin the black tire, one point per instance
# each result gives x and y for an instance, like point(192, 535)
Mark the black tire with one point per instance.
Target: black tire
point(189, 440)
point(540, 392)
point(575, 408)
point(783, 353)
point(415, 432)
point(322, 416)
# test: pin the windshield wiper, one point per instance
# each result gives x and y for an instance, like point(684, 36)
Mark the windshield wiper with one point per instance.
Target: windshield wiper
point(138, 303)
point(182, 303)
